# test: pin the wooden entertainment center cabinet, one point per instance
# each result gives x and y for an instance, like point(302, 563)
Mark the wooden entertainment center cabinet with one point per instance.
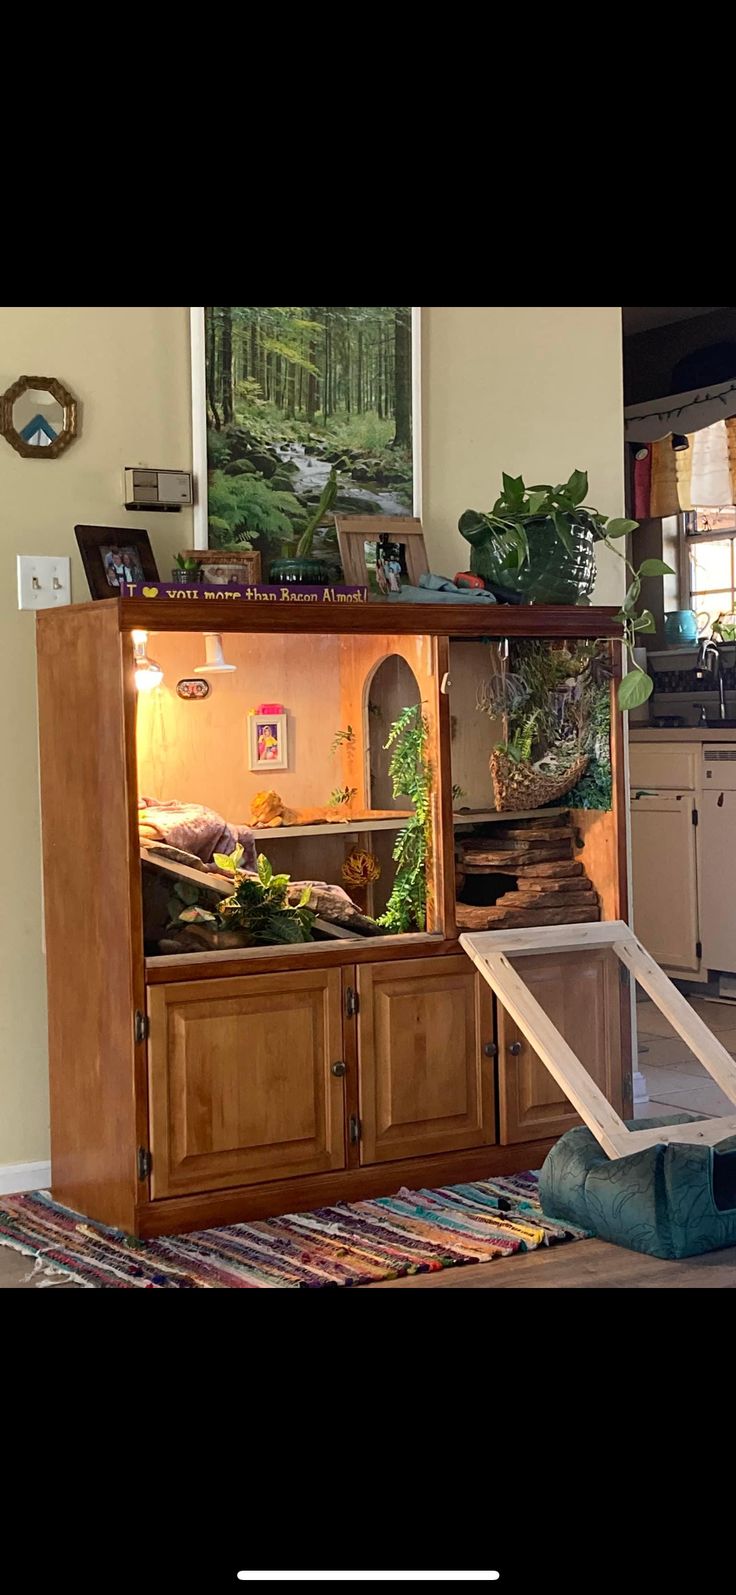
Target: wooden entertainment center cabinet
point(196, 1089)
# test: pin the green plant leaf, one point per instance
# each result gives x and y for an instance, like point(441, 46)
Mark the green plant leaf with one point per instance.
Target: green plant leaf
point(655, 567)
point(514, 490)
point(537, 498)
point(576, 488)
point(618, 527)
point(629, 603)
point(634, 690)
point(265, 870)
point(562, 528)
point(645, 621)
point(225, 861)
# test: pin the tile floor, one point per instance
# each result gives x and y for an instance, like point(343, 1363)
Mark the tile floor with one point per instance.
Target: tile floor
point(674, 1077)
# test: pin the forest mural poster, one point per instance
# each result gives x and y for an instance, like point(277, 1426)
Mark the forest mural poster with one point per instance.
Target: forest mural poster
point(291, 392)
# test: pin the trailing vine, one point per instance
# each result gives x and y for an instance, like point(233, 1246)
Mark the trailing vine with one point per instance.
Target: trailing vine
point(411, 777)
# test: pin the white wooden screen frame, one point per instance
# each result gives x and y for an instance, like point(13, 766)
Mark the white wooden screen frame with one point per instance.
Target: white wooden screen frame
point(491, 952)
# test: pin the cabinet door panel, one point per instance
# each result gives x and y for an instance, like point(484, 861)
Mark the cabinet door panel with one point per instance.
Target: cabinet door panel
point(581, 993)
point(664, 875)
point(241, 1087)
point(426, 1084)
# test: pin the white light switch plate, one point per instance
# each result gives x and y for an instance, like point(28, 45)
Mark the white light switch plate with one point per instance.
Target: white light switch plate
point(43, 581)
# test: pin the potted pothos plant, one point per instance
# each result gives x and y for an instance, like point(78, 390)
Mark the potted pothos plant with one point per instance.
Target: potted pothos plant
point(537, 545)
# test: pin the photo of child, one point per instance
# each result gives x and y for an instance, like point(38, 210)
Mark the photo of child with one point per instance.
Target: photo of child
point(268, 744)
point(267, 741)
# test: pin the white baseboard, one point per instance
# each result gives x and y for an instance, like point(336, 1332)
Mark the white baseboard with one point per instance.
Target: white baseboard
point(17, 1177)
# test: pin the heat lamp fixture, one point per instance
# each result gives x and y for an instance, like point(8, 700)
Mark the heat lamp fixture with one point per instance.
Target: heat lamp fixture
point(215, 663)
point(147, 673)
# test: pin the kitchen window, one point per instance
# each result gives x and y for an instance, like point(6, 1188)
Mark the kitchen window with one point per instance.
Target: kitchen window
point(709, 560)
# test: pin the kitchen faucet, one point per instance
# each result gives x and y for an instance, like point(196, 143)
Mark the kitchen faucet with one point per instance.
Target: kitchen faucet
point(709, 659)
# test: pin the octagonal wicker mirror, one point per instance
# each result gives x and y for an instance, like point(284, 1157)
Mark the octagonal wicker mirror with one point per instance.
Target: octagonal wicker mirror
point(38, 417)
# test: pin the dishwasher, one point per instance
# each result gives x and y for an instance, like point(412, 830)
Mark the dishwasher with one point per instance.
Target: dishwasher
point(718, 857)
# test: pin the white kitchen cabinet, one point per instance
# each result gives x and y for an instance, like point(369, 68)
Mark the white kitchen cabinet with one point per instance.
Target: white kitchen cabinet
point(664, 765)
point(665, 877)
point(718, 879)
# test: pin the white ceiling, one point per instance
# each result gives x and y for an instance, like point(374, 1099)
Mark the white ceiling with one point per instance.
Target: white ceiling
point(641, 318)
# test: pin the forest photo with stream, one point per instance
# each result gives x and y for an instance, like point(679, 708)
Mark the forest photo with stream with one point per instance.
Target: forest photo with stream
point(292, 393)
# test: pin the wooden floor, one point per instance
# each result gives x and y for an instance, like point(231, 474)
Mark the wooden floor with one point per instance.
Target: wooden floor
point(582, 1265)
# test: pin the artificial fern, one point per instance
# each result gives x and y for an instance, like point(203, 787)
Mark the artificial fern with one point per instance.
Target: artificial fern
point(242, 508)
point(411, 777)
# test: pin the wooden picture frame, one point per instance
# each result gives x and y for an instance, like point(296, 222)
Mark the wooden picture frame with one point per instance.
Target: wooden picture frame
point(492, 951)
point(54, 446)
point(261, 724)
point(104, 550)
point(354, 531)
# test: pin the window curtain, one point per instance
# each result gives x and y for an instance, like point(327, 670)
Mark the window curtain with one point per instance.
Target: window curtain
point(667, 481)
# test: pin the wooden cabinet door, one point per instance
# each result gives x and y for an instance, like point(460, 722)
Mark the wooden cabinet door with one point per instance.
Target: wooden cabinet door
point(664, 877)
point(581, 993)
point(241, 1083)
point(426, 1084)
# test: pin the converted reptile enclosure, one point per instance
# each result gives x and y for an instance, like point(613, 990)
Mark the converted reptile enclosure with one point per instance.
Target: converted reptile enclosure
point(196, 1080)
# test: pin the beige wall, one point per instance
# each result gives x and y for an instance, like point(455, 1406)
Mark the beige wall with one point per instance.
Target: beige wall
point(536, 391)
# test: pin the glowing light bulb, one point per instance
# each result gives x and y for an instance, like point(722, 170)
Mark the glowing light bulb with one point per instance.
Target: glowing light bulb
point(148, 674)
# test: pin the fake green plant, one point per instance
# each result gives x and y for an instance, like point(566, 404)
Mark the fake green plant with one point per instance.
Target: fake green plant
point(504, 540)
point(329, 494)
point(342, 796)
point(558, 708)
point(258, 904)
point(411, 777)
point(186, 563)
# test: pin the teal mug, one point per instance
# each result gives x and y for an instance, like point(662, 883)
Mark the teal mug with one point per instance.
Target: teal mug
point(682, 627)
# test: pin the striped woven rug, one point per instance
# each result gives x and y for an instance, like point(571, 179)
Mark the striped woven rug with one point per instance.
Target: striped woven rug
point(352, 1243)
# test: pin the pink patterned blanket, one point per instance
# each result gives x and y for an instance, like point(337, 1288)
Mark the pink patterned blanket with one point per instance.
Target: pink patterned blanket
point(194, 829)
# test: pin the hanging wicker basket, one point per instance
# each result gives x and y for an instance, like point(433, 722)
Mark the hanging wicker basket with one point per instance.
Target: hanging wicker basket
point(519, 785)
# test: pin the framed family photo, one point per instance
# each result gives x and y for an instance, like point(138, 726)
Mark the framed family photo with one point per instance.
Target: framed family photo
point(282, 396)
point(267, 741)
point(112, 555)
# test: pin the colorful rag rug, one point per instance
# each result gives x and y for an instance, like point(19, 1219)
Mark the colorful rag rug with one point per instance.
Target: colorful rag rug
point(352, 1243)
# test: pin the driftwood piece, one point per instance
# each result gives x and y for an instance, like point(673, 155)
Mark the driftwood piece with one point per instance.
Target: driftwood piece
point(535, 833)
point(547, 871)
point(331, 903)
point(508, 863)
point(569, 883)
point(473, 918)
point(535, 900)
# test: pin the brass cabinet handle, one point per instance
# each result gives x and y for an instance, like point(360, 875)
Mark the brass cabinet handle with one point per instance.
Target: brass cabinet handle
point(514, 1047)
point(490, 1049)
point(339, 1069)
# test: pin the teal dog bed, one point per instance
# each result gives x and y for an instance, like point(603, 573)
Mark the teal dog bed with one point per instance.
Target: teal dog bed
point(669, 1200)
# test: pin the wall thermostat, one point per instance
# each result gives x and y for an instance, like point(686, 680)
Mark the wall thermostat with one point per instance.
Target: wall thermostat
point(156, 490)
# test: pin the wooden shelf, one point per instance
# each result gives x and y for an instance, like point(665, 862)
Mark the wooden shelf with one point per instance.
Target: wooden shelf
point(369, 619)
point(331, 828)
point(480, 816)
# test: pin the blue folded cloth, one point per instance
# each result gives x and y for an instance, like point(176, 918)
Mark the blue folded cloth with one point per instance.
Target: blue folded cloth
point(439, 589)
